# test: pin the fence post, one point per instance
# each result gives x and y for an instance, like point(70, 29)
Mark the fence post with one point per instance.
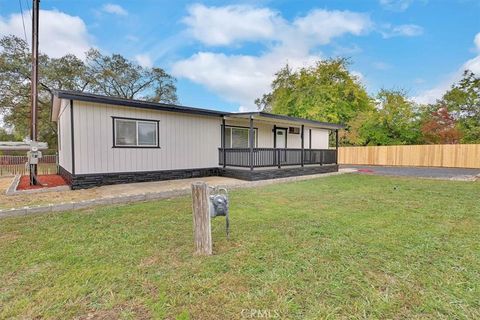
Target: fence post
point(201, 219)
point(57, 162)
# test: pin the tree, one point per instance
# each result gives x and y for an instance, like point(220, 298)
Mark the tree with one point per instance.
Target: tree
point(324, 92)
point(394, 121)
point(6, 136)
point(116, 76)
point(109, 75)
point(463, 101)
point(15, 87)
point(440, 128)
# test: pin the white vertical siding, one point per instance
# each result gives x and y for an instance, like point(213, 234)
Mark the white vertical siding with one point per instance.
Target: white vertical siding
point(186, 141)
point(319, 138)
point(64, 136)
point(265, 135)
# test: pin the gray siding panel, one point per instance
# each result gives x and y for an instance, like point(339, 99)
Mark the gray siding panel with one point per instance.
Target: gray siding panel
point(186, 141)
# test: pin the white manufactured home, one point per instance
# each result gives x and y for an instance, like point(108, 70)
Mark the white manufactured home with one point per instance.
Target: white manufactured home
point(106, 140)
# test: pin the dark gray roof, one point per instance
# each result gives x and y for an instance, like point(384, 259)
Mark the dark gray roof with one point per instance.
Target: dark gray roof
point(326, 125)
point(89, 97)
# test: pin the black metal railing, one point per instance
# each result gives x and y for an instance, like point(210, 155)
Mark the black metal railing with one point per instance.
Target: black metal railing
point(271, 157)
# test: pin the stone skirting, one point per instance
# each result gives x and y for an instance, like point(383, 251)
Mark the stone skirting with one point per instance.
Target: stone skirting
point(265, 174)
point(83, 181)
point(67, 176)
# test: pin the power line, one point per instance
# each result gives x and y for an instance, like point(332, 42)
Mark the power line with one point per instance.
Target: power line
point(29, 6)
point(23, 21)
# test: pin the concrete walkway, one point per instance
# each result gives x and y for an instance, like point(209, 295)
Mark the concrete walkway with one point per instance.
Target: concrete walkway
point(128, 189)
point(145, 191)
point(459, 174)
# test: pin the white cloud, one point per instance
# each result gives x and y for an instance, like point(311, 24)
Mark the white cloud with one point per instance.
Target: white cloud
point(114, 9)
point(224, 25)
point(404, 30)
point(476, 41)
point(324, 25)
point(60, 33)
point(144, 60)
point(242, 78)
point(396, 5)
point(238, 78)
point(358, 75)
point(431, 95)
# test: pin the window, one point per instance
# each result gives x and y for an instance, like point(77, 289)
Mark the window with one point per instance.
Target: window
point(239, 137)
point(135, 133)
point(294, 130)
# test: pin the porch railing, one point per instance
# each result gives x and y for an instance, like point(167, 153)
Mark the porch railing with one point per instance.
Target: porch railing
point(271, 157)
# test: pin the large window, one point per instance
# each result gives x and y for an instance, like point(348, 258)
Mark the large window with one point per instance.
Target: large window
point(239, 137)
point(135, 133)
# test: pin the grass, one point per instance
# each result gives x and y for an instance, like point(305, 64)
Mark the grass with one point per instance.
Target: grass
point(350, 246)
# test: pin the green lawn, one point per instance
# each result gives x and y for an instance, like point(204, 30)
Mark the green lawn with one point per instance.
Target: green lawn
point(349, 246)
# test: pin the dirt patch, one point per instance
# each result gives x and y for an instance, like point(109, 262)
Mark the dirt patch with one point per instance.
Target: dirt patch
point(46, 181)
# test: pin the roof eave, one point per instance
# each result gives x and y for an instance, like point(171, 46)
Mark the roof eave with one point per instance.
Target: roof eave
point(72, 95)
point(319, 124)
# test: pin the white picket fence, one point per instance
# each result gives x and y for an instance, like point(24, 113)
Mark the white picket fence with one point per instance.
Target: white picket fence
point(12, 165)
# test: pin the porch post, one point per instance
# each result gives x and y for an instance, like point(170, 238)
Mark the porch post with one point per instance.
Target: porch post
point(224, 153)
point(274, 144)
point(251, 141)
point(303, 145)
point(336, 146)
point(310, 139)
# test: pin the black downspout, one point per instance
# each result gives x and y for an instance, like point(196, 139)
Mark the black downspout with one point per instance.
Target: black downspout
point(303, 145)
point(224, 152)
point(251, 138)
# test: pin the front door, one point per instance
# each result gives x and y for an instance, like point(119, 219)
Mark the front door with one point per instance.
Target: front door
point(281, 143)
point(281, 138)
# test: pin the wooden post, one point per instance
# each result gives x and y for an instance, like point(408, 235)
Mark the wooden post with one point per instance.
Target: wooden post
point(201, 219)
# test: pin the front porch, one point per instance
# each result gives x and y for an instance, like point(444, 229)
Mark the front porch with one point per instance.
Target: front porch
point(257, 146)
point(275, 157)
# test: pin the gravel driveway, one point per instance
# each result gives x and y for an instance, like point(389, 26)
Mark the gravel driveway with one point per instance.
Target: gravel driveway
point(420, 172)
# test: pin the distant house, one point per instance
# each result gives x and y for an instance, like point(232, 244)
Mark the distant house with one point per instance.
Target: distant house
point(106, 140)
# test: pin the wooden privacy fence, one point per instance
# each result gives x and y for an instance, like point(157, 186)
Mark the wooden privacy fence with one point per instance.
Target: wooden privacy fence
point(441, 155)
point(12, 165)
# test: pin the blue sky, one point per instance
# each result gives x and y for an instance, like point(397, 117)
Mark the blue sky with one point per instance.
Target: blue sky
point(224, 53)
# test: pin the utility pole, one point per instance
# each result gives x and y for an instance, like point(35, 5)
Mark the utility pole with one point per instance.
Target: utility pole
point(34, 84)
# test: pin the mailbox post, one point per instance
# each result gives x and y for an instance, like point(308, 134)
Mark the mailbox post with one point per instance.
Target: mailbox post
point(201, 219)
point(207, 205)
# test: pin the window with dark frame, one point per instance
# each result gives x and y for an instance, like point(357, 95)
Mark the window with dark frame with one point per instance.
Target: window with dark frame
point(239, 137)
point(135, 133)
point(293, 130)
